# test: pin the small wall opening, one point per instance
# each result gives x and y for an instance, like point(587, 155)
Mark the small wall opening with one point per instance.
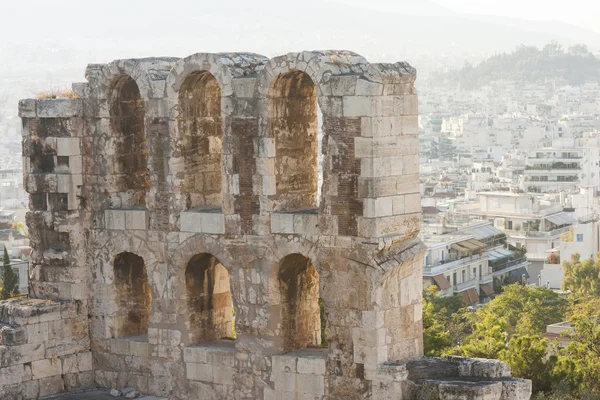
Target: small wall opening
point(209, 301)
point(294, 126)
point(301, 311)
point(127, 115)
point(201, 130)
point(133, 295)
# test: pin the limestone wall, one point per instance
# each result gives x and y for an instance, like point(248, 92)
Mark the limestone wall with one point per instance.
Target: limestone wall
point(44, 348)
point(178, 203)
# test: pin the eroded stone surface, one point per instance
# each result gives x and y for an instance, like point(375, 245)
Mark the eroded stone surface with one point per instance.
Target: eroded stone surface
point(203, 221)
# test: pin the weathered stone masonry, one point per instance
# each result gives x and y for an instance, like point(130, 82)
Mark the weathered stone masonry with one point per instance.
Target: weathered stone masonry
point(182, 242)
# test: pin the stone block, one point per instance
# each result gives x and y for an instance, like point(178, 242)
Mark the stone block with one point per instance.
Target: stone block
point(411, 165)
point(213, 223)
point(269, 185)
point(11, 375)
point(51, 385)
point(27, 108)
point(223, 375)
point(399, 205)
point(114, 219)
point(136, 220)
point(410, 125)
point(69, 364)
point(30, 390)
point(412, 203)
point(311, 384)
point(311, 365)
point(381, 207)
point(139, 349)
point(191, 221)
point(284, 381)
point(343, 85)
point(284, 363)
point(372, 319)
point(84, 361)
point(194, 354)
point(199, 372)
point(282, 223)
point(63, 183)
point(12, 335)
point(368, 88)
point(266, 147)
point(46, 368)
point(357, 106)
point(66, 147)
point(59, 108)
point(37, 333)
point(119, 346)
point(306, 224)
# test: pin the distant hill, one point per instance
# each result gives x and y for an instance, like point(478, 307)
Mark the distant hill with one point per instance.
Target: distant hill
point(576, 66)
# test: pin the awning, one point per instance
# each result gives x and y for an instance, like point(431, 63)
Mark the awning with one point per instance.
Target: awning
point(482, 232)
point(519, 272)
point(499, 254)
point(470, 245)
point(487, 289)
point(470, 296)
point(560, 219)
point(460, 248)
point(441, 281)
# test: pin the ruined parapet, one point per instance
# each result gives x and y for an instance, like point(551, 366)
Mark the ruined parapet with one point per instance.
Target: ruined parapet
point(44, 348)
point(53, 165)
point(243, 227)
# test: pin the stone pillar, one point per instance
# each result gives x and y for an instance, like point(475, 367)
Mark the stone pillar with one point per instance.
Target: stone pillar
point(53, 169)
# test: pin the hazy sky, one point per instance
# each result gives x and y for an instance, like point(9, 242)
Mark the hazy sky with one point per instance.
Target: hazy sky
point(585, 13)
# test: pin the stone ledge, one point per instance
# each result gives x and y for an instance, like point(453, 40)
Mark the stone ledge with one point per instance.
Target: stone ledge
point(295, 223)
point(115, 219)
point(202, 222)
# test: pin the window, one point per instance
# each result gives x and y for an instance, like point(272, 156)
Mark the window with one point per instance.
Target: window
point(509, 225)
point(209, 300)
point(580, 237)
point(475, 272)
point(200, 125)
point(133, 296)
point(464, 275)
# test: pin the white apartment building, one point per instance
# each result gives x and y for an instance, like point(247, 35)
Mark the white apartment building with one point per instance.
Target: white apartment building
point(562, 167)
point(528, 222)
point(470, 262)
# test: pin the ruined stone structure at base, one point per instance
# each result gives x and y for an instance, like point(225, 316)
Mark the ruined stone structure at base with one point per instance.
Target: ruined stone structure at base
point(228, 226)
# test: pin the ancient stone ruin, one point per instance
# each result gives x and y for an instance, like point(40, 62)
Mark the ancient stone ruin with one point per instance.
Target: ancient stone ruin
point(228, 226)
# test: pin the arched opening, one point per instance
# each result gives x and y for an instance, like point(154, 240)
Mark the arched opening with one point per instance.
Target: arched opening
point(301, 321)
point(294, 126)
point(133, 295)
point(201, 130)
point(209, 301)
point(127, 114)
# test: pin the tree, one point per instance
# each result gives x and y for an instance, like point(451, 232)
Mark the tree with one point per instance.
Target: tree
point(10, 280)
point(486, 341)
point(524, 310)
point(579, 362)
point(438, 316)
point(582, 278)
point(528, 358)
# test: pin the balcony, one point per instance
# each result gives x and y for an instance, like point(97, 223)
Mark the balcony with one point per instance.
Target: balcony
point(536, 234)
point(454, 262)
point(471, 283)
point(509, 266)
point(553, 167)
point(555, 156)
